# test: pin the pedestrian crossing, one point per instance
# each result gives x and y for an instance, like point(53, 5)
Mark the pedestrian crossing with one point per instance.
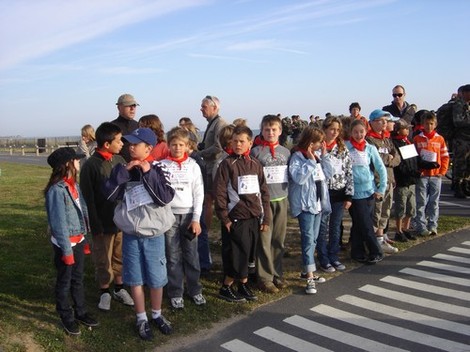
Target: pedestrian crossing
point(423, 308)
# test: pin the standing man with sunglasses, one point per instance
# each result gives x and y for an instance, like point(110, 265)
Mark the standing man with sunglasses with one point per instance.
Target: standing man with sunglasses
point(399, 107)
point(127, 107)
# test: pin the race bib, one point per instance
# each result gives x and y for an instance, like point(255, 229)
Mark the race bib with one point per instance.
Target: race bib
point(137, 196)
point(318, 174)
point(248, 184)
point(359, 158)
point(337, 165)
point(275, 174)
point(408, 151)
point(428, 155)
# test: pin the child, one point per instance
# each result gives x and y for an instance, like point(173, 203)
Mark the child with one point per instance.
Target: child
point(146, 188)
point(363, 156)
point(242, 204)
point(67, 216)
point(274, 159)
point(107, 238)
point(87, 143)
point(434, 158)
point(308, 196)
point(181, 240)
point(406, 175)
point(340, 189)
point(378, 137)
point(160, 151)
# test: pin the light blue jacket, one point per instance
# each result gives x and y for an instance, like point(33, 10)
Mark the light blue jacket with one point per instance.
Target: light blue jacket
point(65, 217)
point(302, 189)
point(363, 175)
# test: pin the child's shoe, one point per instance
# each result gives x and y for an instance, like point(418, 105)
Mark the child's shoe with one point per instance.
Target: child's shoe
point(124, 297)
point(409, 235)
point(71, 327)
point(227, 293)
point(400, 237)
point(105, 301)
point(310, 288)
point(87, 320)
point(177, 302)
point(245, 291)
point(163, 325)
point(144, 331)
point(199, 299)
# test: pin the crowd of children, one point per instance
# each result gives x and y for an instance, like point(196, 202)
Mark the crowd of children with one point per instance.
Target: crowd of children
point(145, 216)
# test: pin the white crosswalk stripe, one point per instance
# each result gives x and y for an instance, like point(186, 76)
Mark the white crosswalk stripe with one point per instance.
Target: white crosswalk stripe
point(363, 310)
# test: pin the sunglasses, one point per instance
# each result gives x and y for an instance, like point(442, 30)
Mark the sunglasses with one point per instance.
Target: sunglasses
point(397, 95)
point(209, 97)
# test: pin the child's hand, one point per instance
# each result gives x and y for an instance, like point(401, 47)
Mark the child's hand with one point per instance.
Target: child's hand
point(347, 204)
point(132, 164)
point(145, 166)
point(228, 226)
point(264, 227)
point(68, 259)
point(378, 196)
point(195, 227)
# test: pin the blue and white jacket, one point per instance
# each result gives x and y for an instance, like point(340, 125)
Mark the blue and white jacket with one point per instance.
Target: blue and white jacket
point(303, 196)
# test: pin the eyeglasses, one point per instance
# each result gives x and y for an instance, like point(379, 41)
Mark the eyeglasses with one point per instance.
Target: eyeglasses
point(212, 99)
point(399, 95)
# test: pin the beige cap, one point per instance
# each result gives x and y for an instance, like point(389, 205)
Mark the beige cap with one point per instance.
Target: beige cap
point(126, 100)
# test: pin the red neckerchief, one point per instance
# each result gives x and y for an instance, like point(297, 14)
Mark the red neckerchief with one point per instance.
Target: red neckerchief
point(361, 146)
point(386, 134)
point(330, 146)
point(179, 161)
point(418, 128)
point(271, 146)
point(401, 137)
point(245, 154)
point(228, 150)
point(105, 154)
point(258, 141)
point(374, 134)
point(150, 159)
point(70, 182)
point(430, 135)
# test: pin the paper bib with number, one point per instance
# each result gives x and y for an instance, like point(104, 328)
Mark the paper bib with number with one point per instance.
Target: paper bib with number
point(137, 196)
point(318, 174)
point(359, 158)
point(428, 155)
point(248, 184)
point(275, 174)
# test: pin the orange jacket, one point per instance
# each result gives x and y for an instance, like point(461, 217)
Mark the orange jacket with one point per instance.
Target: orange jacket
point(437, 145)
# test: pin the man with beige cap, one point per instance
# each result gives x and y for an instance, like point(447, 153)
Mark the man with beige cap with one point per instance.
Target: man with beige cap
point(127, 107)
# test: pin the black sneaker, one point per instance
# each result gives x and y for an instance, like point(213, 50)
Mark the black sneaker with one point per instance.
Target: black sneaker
point(245, 291)
point(409, 235)
point(400, 237)
point(71, 327)
point(360, 260)
point(87, 320)
point(227, 293)
point(144, 331)
point(375, 259)
point(163, 325)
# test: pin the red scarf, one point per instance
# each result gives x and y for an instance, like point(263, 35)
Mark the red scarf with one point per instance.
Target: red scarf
point(245, 154)
point(105, 154)
point(386, 134)
point(179, 161)
point(329, 147)
point(228, 150)
point(271, 146)
point(430, 135)
point(71, 185)
point(401, 137)
point(361, 146)
point(374, 134)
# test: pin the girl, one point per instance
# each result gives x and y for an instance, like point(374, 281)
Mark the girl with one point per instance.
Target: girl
point(160, 150)
point(67, 215)
point(87, 143)
point(341, 189)
point(308, 195)
point(363, 156)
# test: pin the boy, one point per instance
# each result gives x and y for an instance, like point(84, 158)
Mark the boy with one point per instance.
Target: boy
point(107, 238)
point(377, 136)
point(434, 161)
point(181, 240)
point(406, 175)
point(145, 191)
point(242, 204)
point(274, 159)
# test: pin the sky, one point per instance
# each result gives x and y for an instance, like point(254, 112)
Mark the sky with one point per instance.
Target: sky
point(63, 64)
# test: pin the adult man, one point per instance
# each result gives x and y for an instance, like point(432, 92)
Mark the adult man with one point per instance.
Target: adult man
point(210, 149)
point(126, 106)
point(399, 107)
point(461, 142)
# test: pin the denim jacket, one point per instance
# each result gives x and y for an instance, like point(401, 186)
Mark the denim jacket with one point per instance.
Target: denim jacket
point(302, 194)
point(65, 217)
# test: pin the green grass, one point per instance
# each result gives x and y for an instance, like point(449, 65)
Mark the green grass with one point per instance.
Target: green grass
point(28, 320)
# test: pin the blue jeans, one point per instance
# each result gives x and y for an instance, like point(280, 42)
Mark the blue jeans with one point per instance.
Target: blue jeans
point(69, 282)
point(309, 228)
point(330, 231)
point(182, 259)
point(428, 191)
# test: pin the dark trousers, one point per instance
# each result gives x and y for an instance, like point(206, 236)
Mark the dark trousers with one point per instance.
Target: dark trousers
point(362, 230)
point(70, 282)
point(238, 246)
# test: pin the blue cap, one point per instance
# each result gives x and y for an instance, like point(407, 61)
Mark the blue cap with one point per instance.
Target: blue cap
point(139, 135)
point(377, 114)
point(393, 118)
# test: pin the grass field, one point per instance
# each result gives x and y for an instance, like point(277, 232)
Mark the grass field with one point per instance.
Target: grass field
point(28, 321)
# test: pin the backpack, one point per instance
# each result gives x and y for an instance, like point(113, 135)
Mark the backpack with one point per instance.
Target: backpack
point(445, 123)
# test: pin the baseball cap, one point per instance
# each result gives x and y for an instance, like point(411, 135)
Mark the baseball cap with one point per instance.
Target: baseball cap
point(62, 155)
point(377, 114)
point(126, 100)
point(393, 118)
point(139, 135)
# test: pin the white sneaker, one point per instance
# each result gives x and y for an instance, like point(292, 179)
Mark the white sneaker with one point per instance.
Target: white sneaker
point(199, 299)
point(124, 297)
point(105, 301)
point(386, 247)
point(310, 288)
point(177, 302)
